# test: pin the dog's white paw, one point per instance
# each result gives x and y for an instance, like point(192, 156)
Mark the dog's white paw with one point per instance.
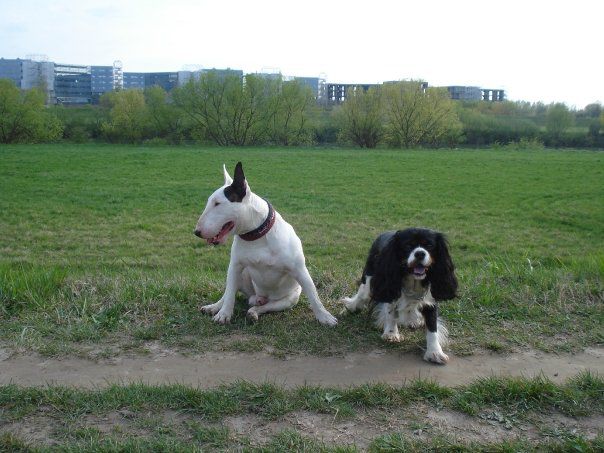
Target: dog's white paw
point(211, 309)
point(436, 357)
point(392, 337)
point(349, 303)
point(252, 314)
point(414, 320)
point(222, 317)
point(326, 318)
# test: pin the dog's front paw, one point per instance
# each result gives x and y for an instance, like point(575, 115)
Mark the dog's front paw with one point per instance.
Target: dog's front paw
point(252, 314)
point(436, 357)
point(222, 317)
point(326, 318)
point(211, 309)
point(349, 303)
point(392, 337)
point(414, 321)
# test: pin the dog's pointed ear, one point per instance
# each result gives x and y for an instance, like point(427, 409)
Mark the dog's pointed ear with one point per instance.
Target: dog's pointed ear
point(227, 178)
point(238, 188)
point(239, 176)
point(235, 192)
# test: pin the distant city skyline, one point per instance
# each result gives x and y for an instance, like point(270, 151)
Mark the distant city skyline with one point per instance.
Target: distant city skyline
point(549, 52)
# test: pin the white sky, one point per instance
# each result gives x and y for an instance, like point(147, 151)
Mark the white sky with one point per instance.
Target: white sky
point(536, 50)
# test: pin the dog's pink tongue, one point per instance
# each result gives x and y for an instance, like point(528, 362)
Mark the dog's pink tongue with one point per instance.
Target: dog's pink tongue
point(419, 270)
point(221, 236)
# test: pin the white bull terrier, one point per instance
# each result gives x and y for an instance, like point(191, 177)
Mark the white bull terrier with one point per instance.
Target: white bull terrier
point(267, 262)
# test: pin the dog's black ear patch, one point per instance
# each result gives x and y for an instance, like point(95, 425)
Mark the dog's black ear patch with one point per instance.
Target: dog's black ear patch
point(443, 282)
point(387, 279)
point(237, 190)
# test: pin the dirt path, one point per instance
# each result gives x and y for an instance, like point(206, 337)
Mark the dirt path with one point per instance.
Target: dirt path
point(214, 368)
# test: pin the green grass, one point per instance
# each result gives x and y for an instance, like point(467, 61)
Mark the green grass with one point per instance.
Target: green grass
point(401, 443)
point(294, 441)
point(97, 243)
point(198, 420)
point(582, 395)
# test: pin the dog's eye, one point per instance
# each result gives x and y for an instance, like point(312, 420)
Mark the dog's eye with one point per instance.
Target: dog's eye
point(216, 203)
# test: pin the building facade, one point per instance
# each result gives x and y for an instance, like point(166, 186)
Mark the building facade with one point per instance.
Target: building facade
point(493, 95)
point(101, 81)
point(465, 93)
point(314, 83)
point(166, 80)
point(27, 74)
point(73, 84)
point(185, 76)
point(224, 73)
point(78, 84)
point(472, 93)
point(12, 70)
point(134, 80)
point(337, 92)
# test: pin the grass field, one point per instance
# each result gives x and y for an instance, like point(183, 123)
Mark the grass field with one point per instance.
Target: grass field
point(97, 245)
point(510, 413)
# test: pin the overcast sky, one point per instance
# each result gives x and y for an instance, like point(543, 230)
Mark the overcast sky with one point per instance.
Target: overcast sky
point(536, 50)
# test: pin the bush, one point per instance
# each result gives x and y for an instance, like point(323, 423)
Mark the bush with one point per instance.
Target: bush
point(156, 141)
point(80, 123)
point(416, 116)
point(128, 120)
point(360, 119)
point(522, 145)
point(485, 129)
point(24, 117)
point(227, 110)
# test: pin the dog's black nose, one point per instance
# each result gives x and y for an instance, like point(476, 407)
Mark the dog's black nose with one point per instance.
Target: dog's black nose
point(197, 233)
point(420, 255)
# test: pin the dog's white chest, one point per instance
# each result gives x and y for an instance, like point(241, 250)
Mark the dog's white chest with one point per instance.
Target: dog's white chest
point(267, 270)
point(259, 258)
point(407, 308)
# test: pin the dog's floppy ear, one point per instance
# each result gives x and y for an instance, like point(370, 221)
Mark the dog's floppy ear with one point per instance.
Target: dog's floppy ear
point(238, 188)
point(227, 178)
point(441, 275)
point(387, 280)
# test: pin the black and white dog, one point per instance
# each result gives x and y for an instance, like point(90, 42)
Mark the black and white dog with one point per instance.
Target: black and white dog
point(406, 273)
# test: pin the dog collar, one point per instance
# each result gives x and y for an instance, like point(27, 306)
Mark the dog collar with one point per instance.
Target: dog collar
point(262, 229)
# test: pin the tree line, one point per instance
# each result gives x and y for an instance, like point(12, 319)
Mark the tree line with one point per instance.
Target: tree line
point(229, 111)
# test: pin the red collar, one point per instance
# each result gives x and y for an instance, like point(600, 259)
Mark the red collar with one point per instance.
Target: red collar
point(262, 229)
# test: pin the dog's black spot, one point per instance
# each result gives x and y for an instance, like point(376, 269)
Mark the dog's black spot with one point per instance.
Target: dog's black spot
point(237, 190)
point(430, 313)
point(232, 195)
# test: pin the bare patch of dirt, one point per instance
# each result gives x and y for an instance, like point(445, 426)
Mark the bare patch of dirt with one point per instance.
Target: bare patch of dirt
point(5, 354)
point(161, 365)
point(256, 429)
point(556, 425)
point(359, 431)
point(418, 421)
point(36, 429)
